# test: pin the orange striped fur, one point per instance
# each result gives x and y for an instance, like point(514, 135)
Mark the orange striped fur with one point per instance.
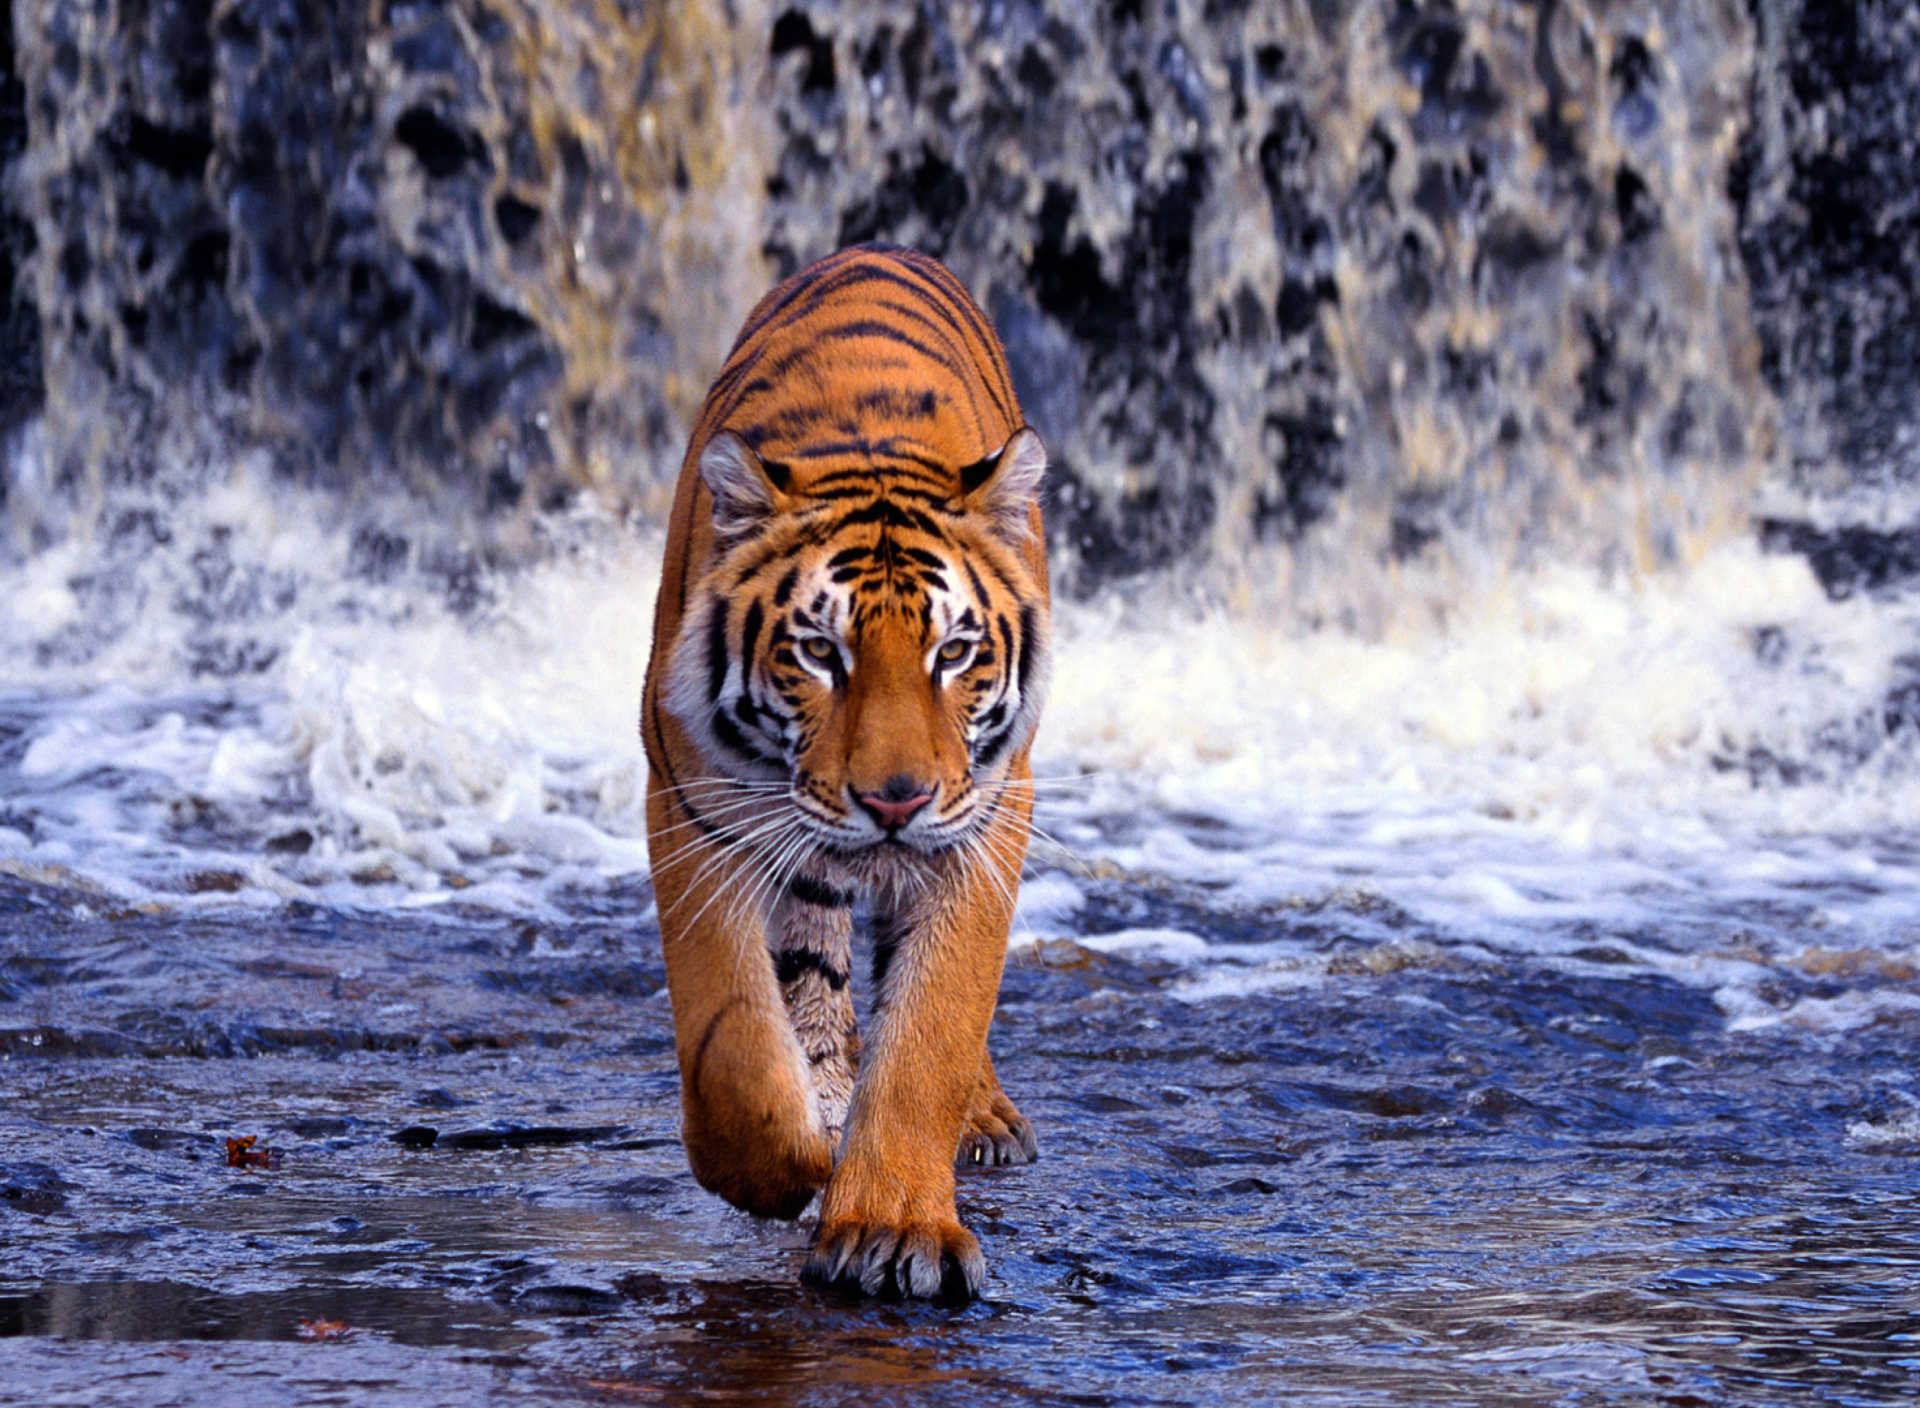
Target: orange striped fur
point(849, 661)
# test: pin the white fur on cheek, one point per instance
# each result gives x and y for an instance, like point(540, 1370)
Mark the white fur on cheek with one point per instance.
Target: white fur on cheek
point(685, 696)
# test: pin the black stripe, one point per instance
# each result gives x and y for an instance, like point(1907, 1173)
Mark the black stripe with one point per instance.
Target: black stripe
point(945, 327)
point(879, 511)
point(792, 963)
point(815, 892)
point(998, 724)
point(750, 635)
point(864, 492)
point(993, 748)
point(979, 587)
point(700, 823)
point(937, 474)
point(908, 405)
point(963, 303)
point(804, 529)
point(930, 282)
point(1029, 619)
point(717, 652)
point(911, 283)
point(886, 938)
point(947, 305)
point(991, 561)
point(825, 449)
point(884, 332)
point(950, 296)
point(972, 476)
point(926, 470)
point(728, 735)
point(848, 276)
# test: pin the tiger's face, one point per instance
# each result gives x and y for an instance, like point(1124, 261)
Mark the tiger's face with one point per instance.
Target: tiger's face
point(864, 659)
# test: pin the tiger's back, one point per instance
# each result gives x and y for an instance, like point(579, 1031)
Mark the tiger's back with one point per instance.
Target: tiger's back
point(849, 659)
point(868, 352)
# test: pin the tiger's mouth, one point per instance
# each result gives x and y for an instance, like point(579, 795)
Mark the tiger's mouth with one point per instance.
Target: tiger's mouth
point(918, 839)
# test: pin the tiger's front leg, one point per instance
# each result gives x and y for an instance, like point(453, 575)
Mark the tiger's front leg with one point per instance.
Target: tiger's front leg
point(750, 1120)
point(812, 936)
point(887, 1218)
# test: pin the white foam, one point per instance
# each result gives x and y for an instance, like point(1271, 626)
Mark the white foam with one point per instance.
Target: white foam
point(1899, 1133)
point(1162, 945)
point(1540, 765)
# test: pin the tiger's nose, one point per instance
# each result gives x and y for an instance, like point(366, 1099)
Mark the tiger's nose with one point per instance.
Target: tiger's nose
point(897, 802)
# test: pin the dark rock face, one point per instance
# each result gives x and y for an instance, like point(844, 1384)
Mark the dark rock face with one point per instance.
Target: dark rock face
point(1831, 232)
point(21, 389)
point(1389, 280)
point(438, 243)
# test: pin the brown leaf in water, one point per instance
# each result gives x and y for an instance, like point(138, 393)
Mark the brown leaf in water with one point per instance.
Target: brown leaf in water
point(242, 1154)
point(325, 1329)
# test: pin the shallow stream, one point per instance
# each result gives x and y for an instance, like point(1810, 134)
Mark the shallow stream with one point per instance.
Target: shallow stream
point(1423, 1169)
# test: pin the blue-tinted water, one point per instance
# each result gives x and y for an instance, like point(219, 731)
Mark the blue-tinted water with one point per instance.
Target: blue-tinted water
point(1509, 1180)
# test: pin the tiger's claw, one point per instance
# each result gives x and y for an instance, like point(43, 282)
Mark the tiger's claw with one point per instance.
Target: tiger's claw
point(989, 1142)
point(996, 1134)
point(928, 1261)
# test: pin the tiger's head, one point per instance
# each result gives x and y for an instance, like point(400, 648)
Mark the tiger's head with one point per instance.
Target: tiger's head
point(866, 654)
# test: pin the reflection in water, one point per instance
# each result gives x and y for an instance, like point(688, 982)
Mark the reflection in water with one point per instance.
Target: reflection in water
point(1496, 1178)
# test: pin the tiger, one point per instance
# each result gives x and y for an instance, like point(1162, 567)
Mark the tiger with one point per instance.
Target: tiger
point(850, 656)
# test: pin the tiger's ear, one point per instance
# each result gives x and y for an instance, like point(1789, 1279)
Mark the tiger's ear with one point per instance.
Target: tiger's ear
point(1003, 486)
point(746, 489)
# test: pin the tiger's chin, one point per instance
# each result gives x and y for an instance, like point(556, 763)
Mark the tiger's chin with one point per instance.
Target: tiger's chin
point(897, 861)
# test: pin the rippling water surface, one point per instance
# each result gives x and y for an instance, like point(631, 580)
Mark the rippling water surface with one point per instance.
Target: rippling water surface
point(1422, 1169)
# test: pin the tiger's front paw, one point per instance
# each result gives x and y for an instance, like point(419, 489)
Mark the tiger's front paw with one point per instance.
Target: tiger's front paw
point(766, 1189)
point(765, 1178)
point(995, 1133)
point(926, 1260)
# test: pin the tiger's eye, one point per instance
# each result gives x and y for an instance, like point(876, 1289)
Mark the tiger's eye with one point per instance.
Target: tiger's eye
point(955, 650)
point(819, 648)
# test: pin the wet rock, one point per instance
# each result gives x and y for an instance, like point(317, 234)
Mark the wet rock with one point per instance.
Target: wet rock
point(59, 1042)
point(1258, 1186)
point(156, 1138)
point(1848, 557)
point(567, 1300)
point(33, 1188)
point(21, 388)
point(1831, 234)
point(643, 1286)
point(465, 248)
point(524, 1137)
